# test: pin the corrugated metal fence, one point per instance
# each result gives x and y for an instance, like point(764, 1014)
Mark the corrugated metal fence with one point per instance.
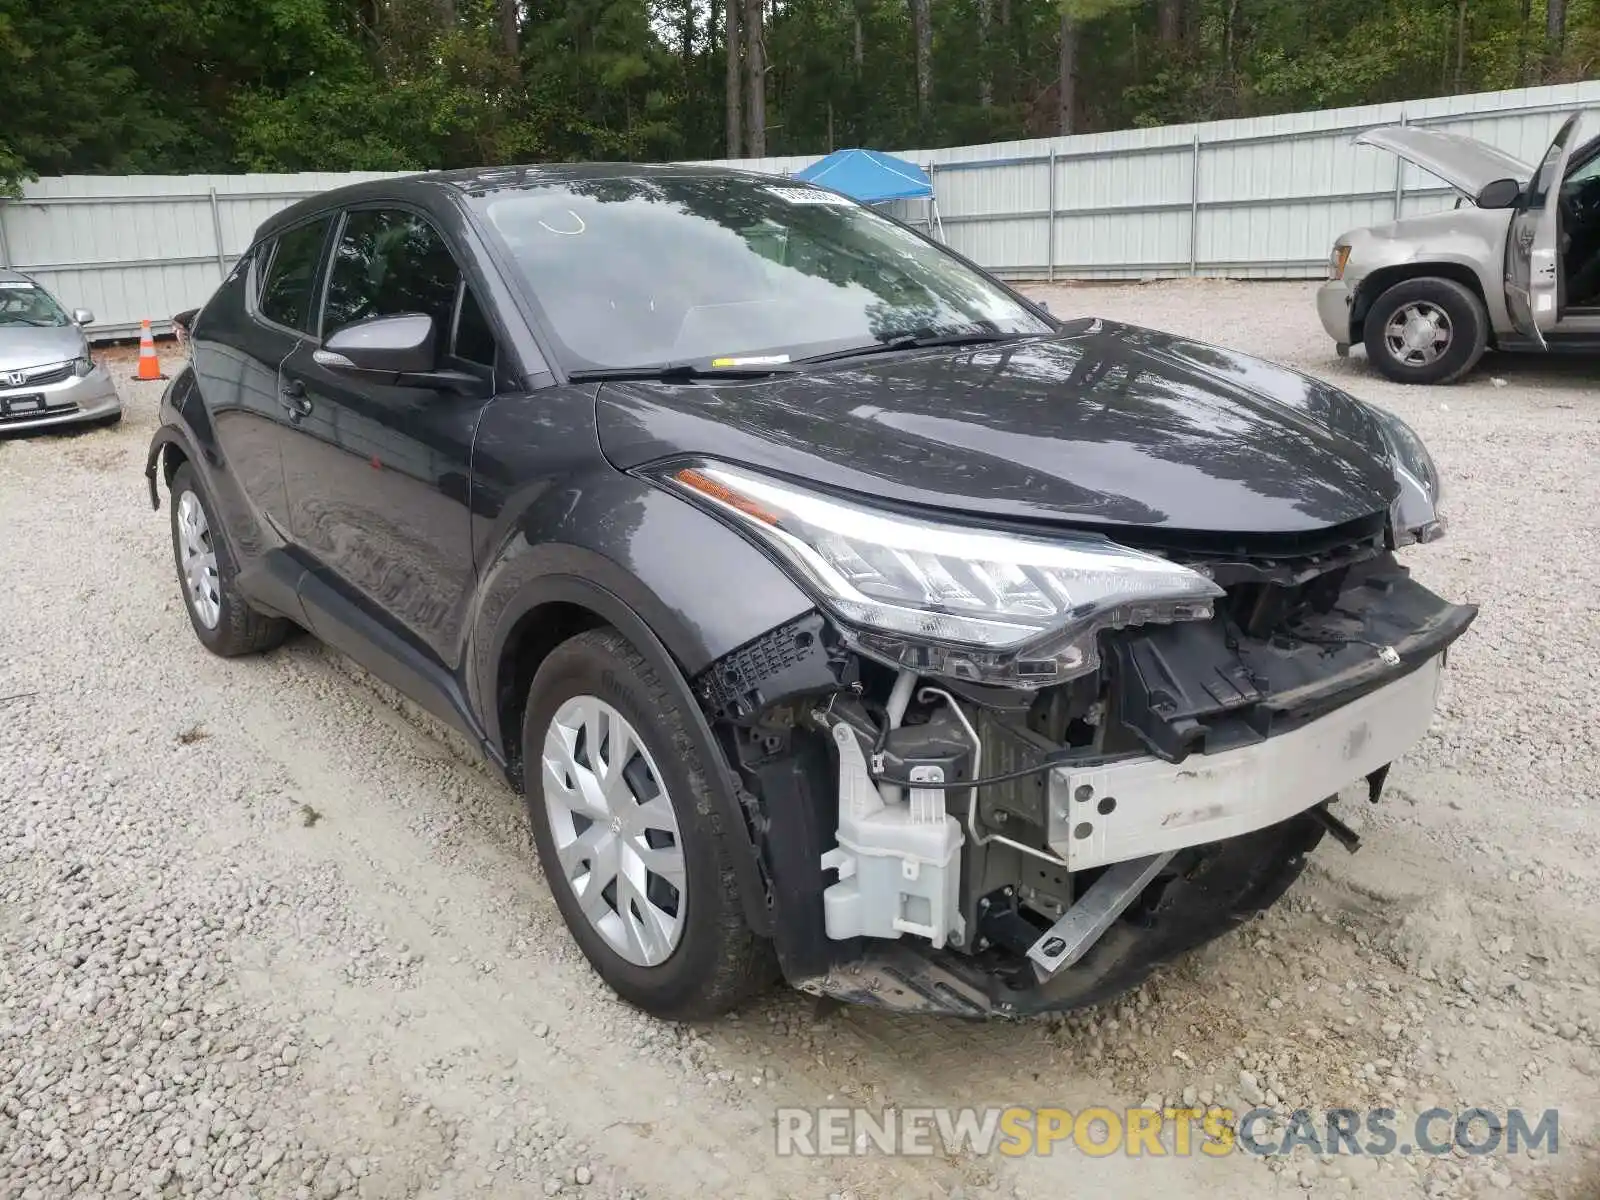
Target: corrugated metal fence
point(1259, 198)
point(140, 246)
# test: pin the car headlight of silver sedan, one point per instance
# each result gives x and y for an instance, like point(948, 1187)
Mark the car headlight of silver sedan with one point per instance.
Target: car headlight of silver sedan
point(1415, 515)
point(82, 365)
point(947, 599)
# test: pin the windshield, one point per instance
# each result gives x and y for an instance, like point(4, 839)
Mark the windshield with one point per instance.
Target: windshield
point(637, 271)
point(24, 303)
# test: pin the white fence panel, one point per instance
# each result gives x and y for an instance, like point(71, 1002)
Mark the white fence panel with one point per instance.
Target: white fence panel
point(144, 246)
point(1256, 198)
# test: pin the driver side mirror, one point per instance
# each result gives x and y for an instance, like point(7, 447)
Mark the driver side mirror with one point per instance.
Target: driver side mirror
point(82, 316)
point(1502, 193)
point(393, 345)
point(400, 350)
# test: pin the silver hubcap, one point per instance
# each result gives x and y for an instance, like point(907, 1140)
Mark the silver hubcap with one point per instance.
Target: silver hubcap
point(199, 559)
point(1418, 334)
point(615, 832)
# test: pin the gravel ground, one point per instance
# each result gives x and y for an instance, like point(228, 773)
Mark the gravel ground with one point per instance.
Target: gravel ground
point(265, 931)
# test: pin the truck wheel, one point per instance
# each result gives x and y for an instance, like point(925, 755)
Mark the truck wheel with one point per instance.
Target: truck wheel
point(1427, 330)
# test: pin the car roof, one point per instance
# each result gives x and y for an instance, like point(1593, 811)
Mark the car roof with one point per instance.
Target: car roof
point(480, 181)
point(15, 277)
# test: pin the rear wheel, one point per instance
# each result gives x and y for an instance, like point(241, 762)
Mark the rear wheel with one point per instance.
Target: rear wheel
point(1427, 330)
point(222, 619)
point(628, 833)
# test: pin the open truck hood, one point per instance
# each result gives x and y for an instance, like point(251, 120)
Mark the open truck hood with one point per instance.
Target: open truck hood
point(1462, 162)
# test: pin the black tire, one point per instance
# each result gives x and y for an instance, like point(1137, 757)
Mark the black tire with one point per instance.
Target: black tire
point(1468, 330)
point(718, 962)
point(239, 629)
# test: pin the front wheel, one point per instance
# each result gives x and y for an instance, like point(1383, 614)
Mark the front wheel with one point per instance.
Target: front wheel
point(628, 833)
point(1427, 330)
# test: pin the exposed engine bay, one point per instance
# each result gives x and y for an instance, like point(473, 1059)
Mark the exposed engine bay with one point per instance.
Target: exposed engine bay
point(939, 843)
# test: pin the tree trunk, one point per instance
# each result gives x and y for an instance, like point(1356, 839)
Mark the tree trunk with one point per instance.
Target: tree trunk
point(733, 40)
point(861, 42)
point(1461, 46)
point(1523, 79)
point(445, 11)
point(1067, 77)
point(922, 38)
point(1227, 40)
point(1169, 23)
point(755, 81)
point(686, 35)
point(510, 40)
point(1008, 56)
point(985, 63)
point(1555, 36)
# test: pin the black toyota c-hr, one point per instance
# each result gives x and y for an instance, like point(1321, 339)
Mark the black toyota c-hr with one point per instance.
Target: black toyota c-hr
point(837, 609)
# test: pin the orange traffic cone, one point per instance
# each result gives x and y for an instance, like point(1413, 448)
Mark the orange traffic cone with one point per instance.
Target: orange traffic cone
point(149, 364)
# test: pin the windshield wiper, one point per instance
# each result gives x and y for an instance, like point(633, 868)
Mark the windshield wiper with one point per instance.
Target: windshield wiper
point(676, 372)
point(917, 341)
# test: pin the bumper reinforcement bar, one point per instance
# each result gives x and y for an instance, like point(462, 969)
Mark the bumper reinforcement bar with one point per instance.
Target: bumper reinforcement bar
point(1080, 927)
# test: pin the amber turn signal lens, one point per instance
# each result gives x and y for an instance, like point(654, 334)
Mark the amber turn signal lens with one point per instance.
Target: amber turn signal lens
point(706, 486)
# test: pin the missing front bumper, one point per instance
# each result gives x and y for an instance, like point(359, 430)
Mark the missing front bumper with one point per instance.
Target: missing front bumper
point(1213, 743)
point(1199, 896)
point(1144, 806)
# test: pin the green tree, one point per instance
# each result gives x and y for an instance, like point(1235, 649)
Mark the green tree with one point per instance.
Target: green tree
point(128, 86)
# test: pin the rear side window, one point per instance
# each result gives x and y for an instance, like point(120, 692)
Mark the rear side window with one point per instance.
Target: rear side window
point(390, 262)
point(291, 272)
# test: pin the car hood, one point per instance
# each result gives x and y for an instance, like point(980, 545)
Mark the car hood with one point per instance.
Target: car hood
point(25, 346)
point(1462, 162)
point(1101, 425)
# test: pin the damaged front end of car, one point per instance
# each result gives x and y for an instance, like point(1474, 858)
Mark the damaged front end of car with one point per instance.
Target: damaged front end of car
point(999, 773)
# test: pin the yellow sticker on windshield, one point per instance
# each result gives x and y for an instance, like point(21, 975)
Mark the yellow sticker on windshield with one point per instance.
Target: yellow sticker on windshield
point(756, 360)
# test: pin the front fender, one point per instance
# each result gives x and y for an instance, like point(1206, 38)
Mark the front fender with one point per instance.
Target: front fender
point(1465, 242)
point(682, 587)
point(699, 587)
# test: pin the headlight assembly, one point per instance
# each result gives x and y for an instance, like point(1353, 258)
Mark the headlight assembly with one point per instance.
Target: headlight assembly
point(1337, 261)
point(1414, 515)
point(949, 599)
point(82, 365)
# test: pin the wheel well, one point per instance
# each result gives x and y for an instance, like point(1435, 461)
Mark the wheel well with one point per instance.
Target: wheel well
point(536, 633)
point(172, 457)
point(1381, 280)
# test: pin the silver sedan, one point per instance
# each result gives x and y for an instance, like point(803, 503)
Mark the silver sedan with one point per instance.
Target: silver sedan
point(47, 377)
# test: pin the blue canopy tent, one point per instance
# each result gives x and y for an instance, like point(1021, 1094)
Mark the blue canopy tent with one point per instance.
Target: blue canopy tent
point(873, 177)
